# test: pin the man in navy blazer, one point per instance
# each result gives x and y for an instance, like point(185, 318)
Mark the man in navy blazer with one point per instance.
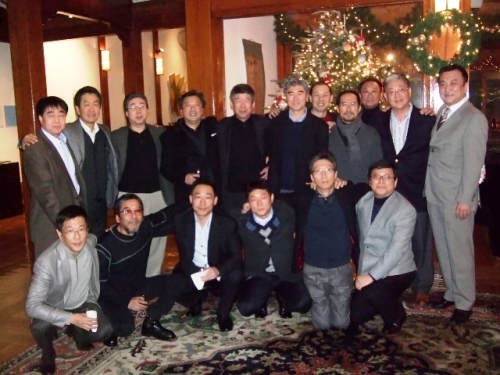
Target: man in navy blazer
point(405, 135)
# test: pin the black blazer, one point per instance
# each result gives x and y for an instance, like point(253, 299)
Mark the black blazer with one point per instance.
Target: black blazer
point(180, 156)
point(281, 250)
point(347, 198)
point(224, 246)
point(411, 161)
point(314, 139)
point(260, 124)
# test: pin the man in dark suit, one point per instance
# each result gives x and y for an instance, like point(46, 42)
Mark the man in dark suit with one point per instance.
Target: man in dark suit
point(386, 267)
point(267, 232)
point(90, 142)
point(208, 242)
point(294, 137)
point(54, 178)
point(189, 148)
point(327, 236)
point(457, 151)
point(405, 134)
point(138, 151)
point(242, 147)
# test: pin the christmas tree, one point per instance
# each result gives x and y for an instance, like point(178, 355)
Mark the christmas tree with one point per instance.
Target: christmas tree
point(332, 54)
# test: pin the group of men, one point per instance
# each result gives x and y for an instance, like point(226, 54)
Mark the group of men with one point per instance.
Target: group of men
point(309, 194)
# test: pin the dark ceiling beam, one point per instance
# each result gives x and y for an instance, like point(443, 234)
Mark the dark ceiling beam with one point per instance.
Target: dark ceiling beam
point(159, 14)
point(83, 30)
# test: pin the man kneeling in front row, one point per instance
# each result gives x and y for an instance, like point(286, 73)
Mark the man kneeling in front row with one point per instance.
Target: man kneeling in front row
point(64, 287)
point(267, 232)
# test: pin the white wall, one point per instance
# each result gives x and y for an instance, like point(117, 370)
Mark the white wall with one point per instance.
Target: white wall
point(8, 136)
point(174, 62)
point(70, 65)
point(259, 30)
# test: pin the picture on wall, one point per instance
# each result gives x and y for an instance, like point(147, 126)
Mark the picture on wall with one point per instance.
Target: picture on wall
point(10, 115)
point(256, 76)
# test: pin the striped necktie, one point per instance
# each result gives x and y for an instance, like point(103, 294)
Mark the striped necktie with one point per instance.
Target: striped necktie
point(443, 117)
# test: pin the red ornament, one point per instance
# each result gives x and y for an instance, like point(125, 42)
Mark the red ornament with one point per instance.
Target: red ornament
point(361, 40)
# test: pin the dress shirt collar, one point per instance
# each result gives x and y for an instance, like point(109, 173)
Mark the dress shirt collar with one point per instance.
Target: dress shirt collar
point(300, 119)
point(264, 221)
point(456, 106)
point(55, 141)
point(91, 133)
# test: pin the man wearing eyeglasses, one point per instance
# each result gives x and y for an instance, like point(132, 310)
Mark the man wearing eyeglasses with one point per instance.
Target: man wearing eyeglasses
point(405, 134)
point(327, 237)
point(386, 267)
point(138, 151)
point(354, 144)
point(123, 257)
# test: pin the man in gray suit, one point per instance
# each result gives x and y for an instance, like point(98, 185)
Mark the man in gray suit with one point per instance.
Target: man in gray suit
point(457, 151)
point(90, 143)
point(386, 267)
point(138, 151)
point(53, 177)
point(64, 287)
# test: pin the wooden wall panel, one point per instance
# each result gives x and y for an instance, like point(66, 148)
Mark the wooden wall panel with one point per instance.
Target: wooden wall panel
point(133, 75)
point(103, 78)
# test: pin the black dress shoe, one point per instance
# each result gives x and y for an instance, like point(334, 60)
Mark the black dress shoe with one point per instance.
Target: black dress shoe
point(155, 329)
point(194, 310)
point(225, 324)
point(47, 368)
point(112, 341)
point(460, 316)
point(391, 329)
point(349, 333)
point(283, 311)
point(262, 313)
point(441, 304)
point(84, 346)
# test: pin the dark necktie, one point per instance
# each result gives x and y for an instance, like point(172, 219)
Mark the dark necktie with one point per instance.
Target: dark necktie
point(443, 117)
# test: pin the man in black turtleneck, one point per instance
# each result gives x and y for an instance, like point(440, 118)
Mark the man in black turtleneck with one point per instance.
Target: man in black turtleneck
point(370, 91)
point(354, 144)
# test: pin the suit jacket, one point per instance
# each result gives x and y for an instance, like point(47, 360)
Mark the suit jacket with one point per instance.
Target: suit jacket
point(51, 189)
point(180, 156)
point(411, 161)
point(224, 247)
point(281, 250)
point(51, 277)
point(386, 243)
point(119, 137)
point(223, 129)
point(347, 197)
point(313, 139)
point(74, 132)
point(457, 152)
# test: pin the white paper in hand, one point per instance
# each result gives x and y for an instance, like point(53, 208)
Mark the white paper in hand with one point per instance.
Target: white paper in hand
point(198, 283)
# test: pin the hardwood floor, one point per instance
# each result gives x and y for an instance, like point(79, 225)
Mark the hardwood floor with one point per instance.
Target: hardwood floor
point(15, 277)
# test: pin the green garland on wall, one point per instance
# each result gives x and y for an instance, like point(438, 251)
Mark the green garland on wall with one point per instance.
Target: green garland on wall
point(431, 25)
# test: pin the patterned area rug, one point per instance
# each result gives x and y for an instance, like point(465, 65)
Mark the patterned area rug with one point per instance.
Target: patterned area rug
point(428, 344)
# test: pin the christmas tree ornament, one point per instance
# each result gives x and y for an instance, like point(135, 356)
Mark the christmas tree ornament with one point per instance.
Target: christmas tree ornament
point(362, 58)
point(361, 40)
point(347, 47)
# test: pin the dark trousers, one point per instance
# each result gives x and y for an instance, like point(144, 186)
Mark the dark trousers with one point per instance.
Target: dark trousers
point(257, 289)
point(45, 332)
point(381, 298)
point(166, 288)
point(233, 200)
point(98, 216)
point(421, 244)
point(228, 288)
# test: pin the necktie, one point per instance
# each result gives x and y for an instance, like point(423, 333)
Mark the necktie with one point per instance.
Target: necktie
point(443, 117)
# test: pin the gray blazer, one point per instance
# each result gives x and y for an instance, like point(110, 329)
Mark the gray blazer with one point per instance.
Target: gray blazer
point(456, 156)
point(51, 277)
point(51, 190)
point(74, 132)
point(385, 244)
point(119, 137)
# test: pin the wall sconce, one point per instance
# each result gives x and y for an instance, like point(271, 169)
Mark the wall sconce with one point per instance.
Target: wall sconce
point(105, 62)
point(159, 62)
point(440, 5)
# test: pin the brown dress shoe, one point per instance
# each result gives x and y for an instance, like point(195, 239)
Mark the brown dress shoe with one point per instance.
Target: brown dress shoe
point(421, 298)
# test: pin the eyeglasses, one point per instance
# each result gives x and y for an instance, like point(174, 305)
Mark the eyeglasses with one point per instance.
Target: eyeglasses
point(386, 177)
point(73, 232)
point(400, 90)
point(327, 170)
point(134, 107)
point(129, 211)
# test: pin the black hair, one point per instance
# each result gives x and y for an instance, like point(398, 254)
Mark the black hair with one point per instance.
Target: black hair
point(50, 102)
point(242, 88)
point(325, 155)
point(131, 96)
point(69, 213)
point(258, 185)
point(77, 100)
point(451, 67)
point(370, 79)
point(382, 164)
point(200, 181)
point(354, 92)
point(320, 83)
point(117, 207)
point(192, 93)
